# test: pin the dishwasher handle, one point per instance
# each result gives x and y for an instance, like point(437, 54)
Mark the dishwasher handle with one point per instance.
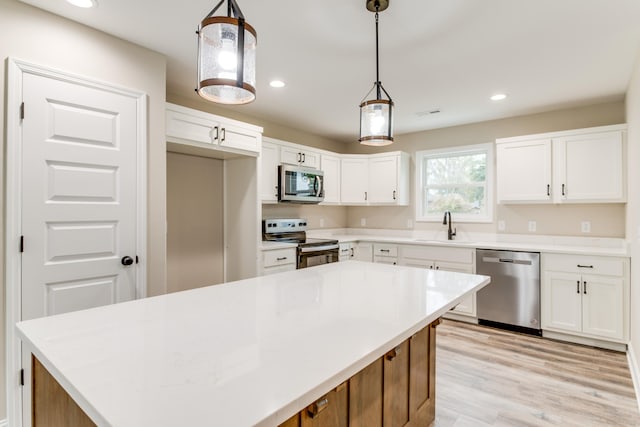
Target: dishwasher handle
point(506, 260)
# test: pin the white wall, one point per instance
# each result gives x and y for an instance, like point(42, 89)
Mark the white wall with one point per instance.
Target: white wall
point(633, 207)
point(39, 37)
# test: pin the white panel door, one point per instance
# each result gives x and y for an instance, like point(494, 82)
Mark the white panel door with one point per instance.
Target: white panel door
point(79, 197)
point(603, 306)
point(590, 167)
point(354, 180)
point(383, 179)
point(562, 301)
point(524, 171)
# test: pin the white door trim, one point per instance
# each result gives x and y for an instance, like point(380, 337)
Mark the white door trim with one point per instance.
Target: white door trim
point(13, 208)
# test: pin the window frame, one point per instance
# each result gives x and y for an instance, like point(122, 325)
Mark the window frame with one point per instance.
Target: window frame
point(421, 155)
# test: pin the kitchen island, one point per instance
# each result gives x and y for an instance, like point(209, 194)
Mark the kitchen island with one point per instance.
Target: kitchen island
point(252, 352)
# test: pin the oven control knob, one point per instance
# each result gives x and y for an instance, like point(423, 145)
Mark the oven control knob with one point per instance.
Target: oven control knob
point(301, 224)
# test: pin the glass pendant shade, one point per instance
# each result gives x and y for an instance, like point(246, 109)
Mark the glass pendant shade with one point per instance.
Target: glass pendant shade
point(226, 74)
point(376, 122)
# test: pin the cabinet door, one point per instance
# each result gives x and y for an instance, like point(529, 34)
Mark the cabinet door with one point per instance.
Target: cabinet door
point(562, 301)
point(590, 167)
point(603, 306)
point(331, 169)
point(524, 171)
point(269, 160)
point(364, 252)
point(232, 136)
point(330, 410)
point(385, 260)
point(383, 179)
point(468, 305)
point(310, 159)
point(396, 386)
point(345, 251)
point(354, 180)
point(190, 127)
point(365, 397)
point(290, 155)
point(422, 378)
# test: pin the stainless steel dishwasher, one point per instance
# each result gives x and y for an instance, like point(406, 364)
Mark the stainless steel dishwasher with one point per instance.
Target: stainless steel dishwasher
point(512, 299)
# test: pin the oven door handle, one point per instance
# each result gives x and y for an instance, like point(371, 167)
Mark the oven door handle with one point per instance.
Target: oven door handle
point(304, 250)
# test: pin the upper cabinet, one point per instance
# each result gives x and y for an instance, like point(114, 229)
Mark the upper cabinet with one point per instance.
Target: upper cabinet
point(331, 168)
point(376, 179)
point(581, 166)
point(301, 156)
point(195, 132)
point(269, 161)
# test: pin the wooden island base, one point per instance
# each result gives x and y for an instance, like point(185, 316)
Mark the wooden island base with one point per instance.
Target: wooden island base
point(396, 390)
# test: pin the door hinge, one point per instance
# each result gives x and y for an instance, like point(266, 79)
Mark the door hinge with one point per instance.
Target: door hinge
point(22, 111)
point(137, 260)
point(21, 243)
point(22, 377)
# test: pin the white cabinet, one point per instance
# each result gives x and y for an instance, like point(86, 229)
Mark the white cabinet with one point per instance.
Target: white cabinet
point(278, 260)
point(269, 161)
point(586, 295)
point(580, 166)
point(347, 251)
point(354, 180)
point(389, 179)
point(461, 260)
point(363, 252)
point(298, 155)
point(377, 179)
point(198, 133)
point(330, 165)
point(385, 253)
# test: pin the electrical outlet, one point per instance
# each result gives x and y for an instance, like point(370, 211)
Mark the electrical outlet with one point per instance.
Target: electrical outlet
point(585, 226)
point(321, 222)
point(409, 223)
point(363, 222)
point(501, 225)
point(532, 226)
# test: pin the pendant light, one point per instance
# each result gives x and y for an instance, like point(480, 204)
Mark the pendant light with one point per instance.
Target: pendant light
point(227, 57)
point(376, 115)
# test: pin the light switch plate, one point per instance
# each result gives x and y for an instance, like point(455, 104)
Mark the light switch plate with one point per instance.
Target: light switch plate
point(585, 226)
point(501, 225)
point(532, 226)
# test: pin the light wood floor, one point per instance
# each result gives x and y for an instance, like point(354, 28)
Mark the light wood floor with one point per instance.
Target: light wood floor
point(489, 377)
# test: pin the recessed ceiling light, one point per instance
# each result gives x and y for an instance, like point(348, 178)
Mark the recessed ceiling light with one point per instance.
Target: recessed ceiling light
point(498, 97)
point(84, 3)
point(276, 83)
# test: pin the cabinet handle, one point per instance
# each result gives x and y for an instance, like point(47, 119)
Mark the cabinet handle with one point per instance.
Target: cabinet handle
point(299, 157)
point(224, 134)
point(365, 195)
point(304, 158)
point(276, 187)
point(315, 408)
point(281, 258)
point(563, 189)
point(548, 190)
point(585, 287)
point(384, 250)
point(215, 138)
point(585, 266)
point(578, 286)
point(352, 254)
point(392, 354)
point(394, 194)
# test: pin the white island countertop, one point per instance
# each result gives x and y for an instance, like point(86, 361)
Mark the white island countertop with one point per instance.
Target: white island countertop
point(252, 352)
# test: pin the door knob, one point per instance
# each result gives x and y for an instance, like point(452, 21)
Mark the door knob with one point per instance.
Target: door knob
point(126, 260)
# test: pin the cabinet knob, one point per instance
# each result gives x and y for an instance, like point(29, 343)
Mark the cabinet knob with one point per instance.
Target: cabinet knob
point(318, 406)
point(126, 260)
point(392, 354)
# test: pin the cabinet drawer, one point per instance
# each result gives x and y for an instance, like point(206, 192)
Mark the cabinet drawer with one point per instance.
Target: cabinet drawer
point(385, 250)
point(278, 269)
point(279, 257)
point(607, 266)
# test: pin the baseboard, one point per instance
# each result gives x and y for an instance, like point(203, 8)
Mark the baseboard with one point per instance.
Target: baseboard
point(635, 372)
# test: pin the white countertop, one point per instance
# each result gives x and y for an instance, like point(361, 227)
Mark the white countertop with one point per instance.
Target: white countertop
point(252, 352)
point(549, 244)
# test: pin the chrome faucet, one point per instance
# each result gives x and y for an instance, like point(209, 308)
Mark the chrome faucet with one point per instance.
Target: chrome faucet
point(450, 233)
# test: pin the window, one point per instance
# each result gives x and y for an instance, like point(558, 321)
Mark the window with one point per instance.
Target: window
point(458, 180)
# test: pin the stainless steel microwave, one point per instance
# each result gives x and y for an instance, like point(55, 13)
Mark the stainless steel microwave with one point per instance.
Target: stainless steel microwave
point(300, 185)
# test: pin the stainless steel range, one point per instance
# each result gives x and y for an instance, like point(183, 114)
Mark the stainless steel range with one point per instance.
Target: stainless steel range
point(310, 252)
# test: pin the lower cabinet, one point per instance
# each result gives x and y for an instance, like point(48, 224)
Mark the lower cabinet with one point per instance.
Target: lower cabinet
point(397, 389)
point(385, 254)
point(363, 251)
point(347, 251)
point(278, 260)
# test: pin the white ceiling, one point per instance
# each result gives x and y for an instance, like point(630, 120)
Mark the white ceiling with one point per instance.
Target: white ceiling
point(449, 55)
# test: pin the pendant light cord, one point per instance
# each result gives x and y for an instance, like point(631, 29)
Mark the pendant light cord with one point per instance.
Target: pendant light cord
point(378, 94)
